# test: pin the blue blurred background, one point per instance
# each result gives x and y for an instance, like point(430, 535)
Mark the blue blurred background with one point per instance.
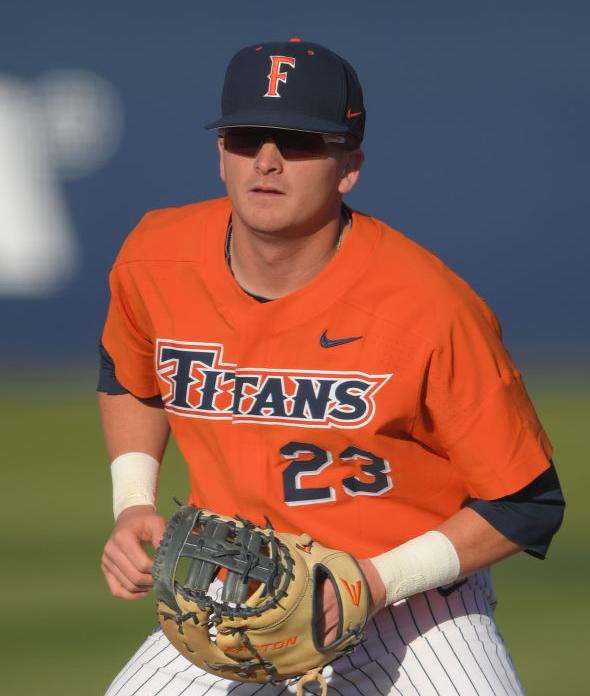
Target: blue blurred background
point(477, 147)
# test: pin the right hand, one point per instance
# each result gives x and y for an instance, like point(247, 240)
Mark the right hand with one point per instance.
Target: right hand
point(125, 563)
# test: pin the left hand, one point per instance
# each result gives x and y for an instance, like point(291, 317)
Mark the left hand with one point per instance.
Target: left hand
point(327, 609)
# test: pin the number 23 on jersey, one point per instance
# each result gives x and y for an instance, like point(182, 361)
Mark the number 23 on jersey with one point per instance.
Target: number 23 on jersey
point(306, 460)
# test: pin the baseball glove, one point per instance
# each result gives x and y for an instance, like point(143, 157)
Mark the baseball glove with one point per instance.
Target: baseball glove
point(263, 626)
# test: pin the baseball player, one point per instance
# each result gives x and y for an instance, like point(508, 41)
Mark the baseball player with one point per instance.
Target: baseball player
point(318, 368)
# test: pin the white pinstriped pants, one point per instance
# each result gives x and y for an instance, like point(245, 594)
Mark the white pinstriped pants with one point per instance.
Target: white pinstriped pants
point(433, 644)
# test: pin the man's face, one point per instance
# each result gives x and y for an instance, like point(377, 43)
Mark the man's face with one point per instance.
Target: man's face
point(272, 193)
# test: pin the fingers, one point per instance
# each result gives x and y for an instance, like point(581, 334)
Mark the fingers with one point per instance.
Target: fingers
point(126, 549)
point(126, 560)
point(118, 589)
point(125, 563)
point(157, 527)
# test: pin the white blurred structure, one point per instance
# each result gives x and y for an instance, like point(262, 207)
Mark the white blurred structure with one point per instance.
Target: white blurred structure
point(66, 125)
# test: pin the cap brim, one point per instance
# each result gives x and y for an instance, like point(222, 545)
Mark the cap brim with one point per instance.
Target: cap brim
point(278, 120)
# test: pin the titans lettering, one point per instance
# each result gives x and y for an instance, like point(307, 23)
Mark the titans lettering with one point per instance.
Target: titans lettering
point(197, 383)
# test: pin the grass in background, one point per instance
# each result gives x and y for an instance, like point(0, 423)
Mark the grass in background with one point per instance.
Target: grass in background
point(64, 635)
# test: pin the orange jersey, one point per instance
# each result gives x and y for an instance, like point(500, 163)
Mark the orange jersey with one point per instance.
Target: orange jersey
point(364, 408)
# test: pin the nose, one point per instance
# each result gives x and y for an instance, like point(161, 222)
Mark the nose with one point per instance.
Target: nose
point(268, 159)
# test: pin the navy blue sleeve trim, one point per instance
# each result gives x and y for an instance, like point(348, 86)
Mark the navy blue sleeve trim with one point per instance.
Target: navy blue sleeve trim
point(530, 517)
point(107, 382)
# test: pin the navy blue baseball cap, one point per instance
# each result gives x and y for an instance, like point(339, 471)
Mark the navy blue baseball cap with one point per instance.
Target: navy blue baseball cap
point(292, 85)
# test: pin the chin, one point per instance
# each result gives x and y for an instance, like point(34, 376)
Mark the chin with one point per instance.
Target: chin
point(267, 221)
point(267, 226)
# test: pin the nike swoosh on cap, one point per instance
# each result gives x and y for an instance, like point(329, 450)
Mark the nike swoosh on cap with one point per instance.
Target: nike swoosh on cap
point(352, 114)
point(326, 342)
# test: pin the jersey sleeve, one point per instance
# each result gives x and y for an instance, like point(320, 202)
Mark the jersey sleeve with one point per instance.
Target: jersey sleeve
point(530, 517)
point(107, 381)
point(127, 334)
point(475, 409)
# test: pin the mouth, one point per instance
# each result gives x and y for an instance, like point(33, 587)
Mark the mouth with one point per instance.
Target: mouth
point(266, 190)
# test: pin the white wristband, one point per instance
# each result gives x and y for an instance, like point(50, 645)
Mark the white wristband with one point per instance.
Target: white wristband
point(135, 480)
point(421, 564)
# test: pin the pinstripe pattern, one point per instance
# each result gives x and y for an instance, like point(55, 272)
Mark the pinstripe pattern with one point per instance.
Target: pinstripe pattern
point(432, 644)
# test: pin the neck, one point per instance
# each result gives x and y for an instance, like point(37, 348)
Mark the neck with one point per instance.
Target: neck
point(275, 264)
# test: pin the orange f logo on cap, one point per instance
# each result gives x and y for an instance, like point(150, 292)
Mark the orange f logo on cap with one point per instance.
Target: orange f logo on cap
point(275, 75)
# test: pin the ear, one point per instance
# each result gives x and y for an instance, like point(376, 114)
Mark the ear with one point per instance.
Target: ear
point(221, 151)
point(352, 164)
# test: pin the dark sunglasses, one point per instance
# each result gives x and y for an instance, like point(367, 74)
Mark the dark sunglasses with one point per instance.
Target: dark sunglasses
point(293, 145)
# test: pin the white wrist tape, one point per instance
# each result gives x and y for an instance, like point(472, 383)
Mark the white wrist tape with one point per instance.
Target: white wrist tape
point(421, 564)
point(135, 480)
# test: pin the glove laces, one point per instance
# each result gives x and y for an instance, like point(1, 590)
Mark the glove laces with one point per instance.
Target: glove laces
point(311, 676)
